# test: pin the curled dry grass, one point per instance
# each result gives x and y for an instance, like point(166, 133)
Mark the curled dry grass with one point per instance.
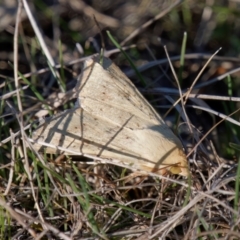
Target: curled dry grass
point(55, 197)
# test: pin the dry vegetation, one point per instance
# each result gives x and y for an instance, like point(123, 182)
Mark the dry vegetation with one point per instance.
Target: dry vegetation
point(56, 197)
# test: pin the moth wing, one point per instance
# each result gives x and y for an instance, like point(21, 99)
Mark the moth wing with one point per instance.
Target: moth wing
point(106, 84)
point(79, 132)
point(115, 122)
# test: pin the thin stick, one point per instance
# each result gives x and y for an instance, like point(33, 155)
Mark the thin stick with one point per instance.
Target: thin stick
point(148, 23)
point(205, 135)
point(199, 74)
point(179, 89)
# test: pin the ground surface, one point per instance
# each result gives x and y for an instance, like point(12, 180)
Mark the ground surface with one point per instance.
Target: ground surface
point(54, 197)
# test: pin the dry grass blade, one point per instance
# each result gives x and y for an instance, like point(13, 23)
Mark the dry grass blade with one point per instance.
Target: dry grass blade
point(200, 141)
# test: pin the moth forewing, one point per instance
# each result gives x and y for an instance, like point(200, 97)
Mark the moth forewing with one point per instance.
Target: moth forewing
point(114, 122)
point(79, 131)
point(106, 84)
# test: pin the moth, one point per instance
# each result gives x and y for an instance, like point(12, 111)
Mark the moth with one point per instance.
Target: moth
point(113, 121)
